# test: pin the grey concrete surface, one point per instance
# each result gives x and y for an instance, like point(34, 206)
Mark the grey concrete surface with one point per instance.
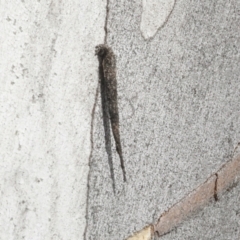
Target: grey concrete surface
point(180, 120)
point(178, 85)
point(217, 220)
point(48, 82)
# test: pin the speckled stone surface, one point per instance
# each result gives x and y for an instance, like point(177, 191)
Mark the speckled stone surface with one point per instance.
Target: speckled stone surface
point(179, 120)
point(48, 81)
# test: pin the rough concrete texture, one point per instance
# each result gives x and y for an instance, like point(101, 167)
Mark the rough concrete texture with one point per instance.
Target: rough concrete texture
point(155, 14)
point(48, 84)
point(217, 220)
point(215, 186)
point(179, 115)
point(180, 120)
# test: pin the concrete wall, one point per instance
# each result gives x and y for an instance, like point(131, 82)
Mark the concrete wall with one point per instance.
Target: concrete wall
point(178, 88)
point(48, 84)
point(179, 99)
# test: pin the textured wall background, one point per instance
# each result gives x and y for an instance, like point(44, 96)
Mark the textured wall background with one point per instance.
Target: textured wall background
point(48, 84)
point(179, 113)
point(178, 85)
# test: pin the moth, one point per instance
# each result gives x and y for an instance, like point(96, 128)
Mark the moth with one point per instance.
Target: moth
point(107, 74)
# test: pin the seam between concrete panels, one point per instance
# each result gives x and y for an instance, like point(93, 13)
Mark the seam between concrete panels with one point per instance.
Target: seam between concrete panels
point(106, 22)
point(92, 126)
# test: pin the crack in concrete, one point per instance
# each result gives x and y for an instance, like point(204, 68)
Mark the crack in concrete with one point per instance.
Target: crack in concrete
point(162, 25)
point(215, 188)
point(91, 131)
point(89, 160)
point(106, 22)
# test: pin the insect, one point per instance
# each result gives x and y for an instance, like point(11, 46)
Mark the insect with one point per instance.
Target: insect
point(107, 74)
